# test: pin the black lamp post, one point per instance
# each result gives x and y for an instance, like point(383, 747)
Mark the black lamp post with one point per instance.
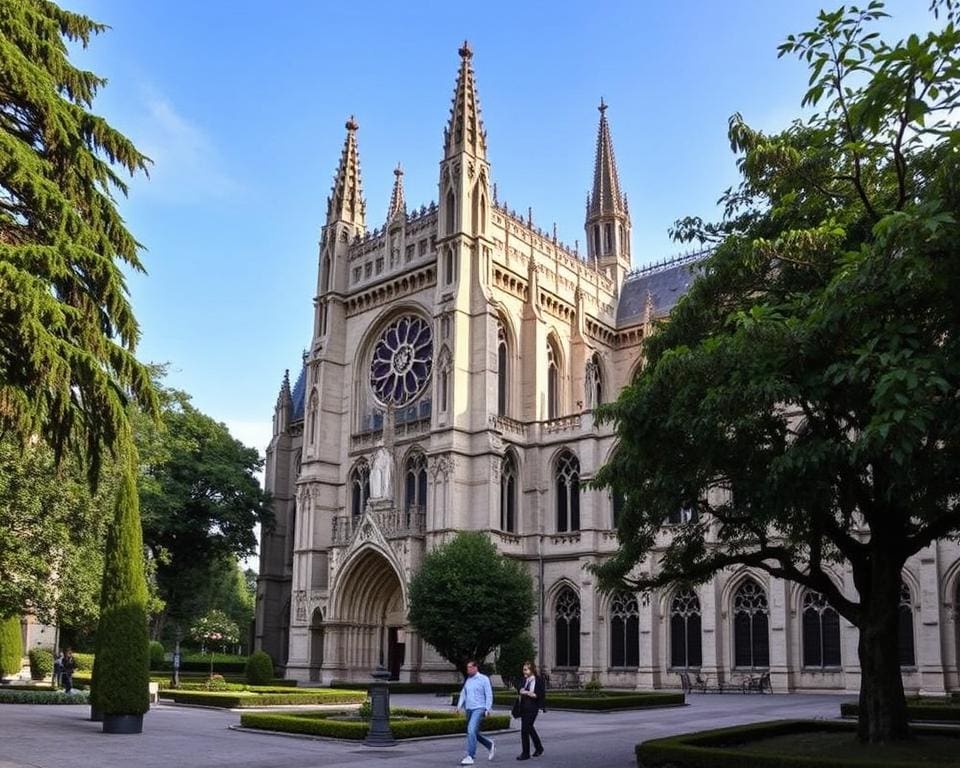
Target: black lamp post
point(379, 734)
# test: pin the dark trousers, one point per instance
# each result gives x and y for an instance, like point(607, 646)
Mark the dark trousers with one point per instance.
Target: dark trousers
point(527, 732)
point(67, 679)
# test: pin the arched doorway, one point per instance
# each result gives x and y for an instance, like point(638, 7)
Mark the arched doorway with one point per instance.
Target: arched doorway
point(371, 616)
point(316, 644)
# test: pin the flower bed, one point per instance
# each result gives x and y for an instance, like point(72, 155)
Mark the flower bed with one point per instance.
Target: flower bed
point(797, 744)
point(246, 699)
point(404, 723)
point(600, 700)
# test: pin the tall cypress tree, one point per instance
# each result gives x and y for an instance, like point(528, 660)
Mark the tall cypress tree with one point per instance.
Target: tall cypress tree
point(67, 330)
point(11, 645)
point(122, 667)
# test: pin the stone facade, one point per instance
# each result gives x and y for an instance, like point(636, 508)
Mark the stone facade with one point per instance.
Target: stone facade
point(457, 354)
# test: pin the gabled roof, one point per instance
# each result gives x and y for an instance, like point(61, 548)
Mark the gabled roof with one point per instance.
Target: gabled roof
point(651, 292)
point(299, 394)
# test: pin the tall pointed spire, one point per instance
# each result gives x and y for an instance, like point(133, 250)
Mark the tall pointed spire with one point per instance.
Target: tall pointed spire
point(346, 201)
point(465, 133)
point(398, 206)
point(606, 197)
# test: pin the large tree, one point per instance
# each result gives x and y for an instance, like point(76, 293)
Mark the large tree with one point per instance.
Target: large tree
point(467, 599)
point(802, 398)
point(67, 330)
point(200, 500)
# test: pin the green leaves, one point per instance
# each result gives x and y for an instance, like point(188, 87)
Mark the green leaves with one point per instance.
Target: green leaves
point(467, 599)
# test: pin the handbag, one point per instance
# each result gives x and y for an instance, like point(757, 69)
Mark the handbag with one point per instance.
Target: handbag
point(515, 712)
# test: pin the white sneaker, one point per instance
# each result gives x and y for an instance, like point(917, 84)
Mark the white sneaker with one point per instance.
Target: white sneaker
point(493, 749)
point(467, 760)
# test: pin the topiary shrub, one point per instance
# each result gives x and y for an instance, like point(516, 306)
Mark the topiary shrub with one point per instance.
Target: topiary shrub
point(259, 669)
point(11, 646)
point(156, 655)
point(41, 663)
point(122, 674)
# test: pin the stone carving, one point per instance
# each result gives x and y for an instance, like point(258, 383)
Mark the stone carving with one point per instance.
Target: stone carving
point(590, 385)
point(301, 605)
point(381, 475)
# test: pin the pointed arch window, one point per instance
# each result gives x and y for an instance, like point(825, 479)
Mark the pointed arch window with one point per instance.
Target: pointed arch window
point(359, 489)
point(624, 630)
point(751, 636)
point(568, 492)
point(821, 632)
point(553, 381)
point(508, 494)
point(908, 656)
point(567, 622)
point(686, 645)
point(415, 485)
point(312, 418)
point(443, 380)
point(503, 370)
point(448, 265)
point(451, 212)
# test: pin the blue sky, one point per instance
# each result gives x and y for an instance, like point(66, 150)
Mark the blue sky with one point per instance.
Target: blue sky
point(242, 107)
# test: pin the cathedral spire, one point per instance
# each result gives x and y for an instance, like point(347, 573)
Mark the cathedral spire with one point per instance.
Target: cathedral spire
point(346, 201)
point(398, 206)
point(606, 197)
point(465, 133)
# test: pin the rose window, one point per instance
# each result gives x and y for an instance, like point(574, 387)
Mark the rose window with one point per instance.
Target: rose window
point(402, 359)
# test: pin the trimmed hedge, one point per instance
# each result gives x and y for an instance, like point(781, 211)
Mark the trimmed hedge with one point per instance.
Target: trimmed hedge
point(8, 696)
point(41, 663)
point(604, 700)
point(418, 723)
point(396, 687)
point(245, 699)
point(259, 670)
point(945, 712)
point(193, 685)
point(723, 748)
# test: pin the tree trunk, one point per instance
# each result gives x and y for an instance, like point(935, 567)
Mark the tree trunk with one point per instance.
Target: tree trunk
point(883, 709)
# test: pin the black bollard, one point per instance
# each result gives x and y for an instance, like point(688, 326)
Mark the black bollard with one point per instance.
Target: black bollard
point(379, 734)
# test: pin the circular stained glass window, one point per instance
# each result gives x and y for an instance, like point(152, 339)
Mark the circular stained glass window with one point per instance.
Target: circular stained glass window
point(402, 359)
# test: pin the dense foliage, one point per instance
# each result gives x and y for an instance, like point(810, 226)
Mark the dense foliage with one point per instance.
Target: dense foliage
point(67, 330)
point(800, 402)
point(457, 599)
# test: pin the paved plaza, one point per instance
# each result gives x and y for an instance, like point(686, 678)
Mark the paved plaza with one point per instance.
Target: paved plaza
point(181, 737)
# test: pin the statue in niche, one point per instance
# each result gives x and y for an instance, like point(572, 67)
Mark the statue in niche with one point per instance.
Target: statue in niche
point(591, 384)
point(381, 475)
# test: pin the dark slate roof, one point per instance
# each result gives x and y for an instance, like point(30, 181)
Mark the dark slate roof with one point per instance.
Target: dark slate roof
point(665, 283)
point(299, 393)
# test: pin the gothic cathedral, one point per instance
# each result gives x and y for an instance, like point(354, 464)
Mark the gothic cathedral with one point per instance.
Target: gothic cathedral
point(457, 354)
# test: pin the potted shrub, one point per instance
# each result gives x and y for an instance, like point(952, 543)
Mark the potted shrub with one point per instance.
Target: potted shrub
point(121, 670)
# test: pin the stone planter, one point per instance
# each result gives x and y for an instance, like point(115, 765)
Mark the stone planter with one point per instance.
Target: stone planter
point(96, 716)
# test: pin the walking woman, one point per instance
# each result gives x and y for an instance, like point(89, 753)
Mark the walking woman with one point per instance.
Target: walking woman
point(532, 699)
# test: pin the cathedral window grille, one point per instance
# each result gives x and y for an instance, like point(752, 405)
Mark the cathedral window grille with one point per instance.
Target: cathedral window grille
point(821, 632)
point(448, 266)
point(908, 656)
point(608, 238)
point(359, 489)
point(415, 485)
point(368, 269)
point(444, 387)
point(422, 247)
point(568, 492)
point(751, 637)
point(596, 240)
point(409, 253)
point(378, 267)
point(508, 494)
point(624, 631)
point(567, 622)
point(402, 360)
point(502, 370)
point(686, 646)
point(356, 274)
point(595, 381)
point(553, 382)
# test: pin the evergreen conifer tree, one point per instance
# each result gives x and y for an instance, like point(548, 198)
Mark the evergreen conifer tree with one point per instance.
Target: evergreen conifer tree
point(122, 666)
point(67, 330)
point(11, 645)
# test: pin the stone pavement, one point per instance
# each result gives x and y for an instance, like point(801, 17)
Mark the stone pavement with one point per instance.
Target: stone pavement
point(181, 737)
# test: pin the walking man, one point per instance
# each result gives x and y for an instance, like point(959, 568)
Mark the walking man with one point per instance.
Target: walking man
point(476, 699)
